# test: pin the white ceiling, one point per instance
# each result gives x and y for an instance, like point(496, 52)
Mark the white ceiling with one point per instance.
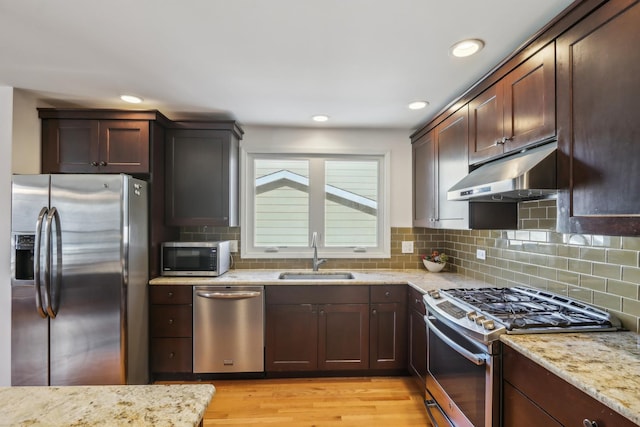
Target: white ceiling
point(261, 62)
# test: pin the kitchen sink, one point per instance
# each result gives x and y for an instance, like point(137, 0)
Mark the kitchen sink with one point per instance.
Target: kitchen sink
point(316, 275)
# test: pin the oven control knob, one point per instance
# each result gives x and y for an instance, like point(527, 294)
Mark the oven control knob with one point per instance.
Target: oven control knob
point(479, 320)
point(435, 294)
point(472, 315)
point(489, 325)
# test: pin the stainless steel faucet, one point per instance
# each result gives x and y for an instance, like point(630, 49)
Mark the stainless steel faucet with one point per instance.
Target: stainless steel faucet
point(314, 244)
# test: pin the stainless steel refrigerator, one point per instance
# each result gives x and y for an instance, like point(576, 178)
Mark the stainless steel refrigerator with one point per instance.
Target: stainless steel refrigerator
point(79, 271)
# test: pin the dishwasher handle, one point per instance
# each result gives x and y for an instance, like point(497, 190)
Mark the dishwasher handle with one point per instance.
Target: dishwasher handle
point(228, 295)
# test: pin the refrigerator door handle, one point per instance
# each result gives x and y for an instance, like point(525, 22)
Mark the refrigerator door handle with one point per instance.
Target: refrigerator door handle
point(53, 214)
point(36, 262)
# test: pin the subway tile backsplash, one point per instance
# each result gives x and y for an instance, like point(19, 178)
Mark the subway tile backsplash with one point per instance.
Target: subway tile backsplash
point(601, 270)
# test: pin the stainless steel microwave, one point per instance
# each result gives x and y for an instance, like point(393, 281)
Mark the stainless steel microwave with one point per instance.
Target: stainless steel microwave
point(195, 258)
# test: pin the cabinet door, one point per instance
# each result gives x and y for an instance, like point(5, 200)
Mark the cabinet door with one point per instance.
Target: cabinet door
point(529, 101)
point(452, 155)
point(291, 337)
point(388, 328)
point(201, 168)
point(343, 340)
point(123, 147)
point(69, 146)
point(417, 337)
point(424, 180)
point(486, 124)
point(598, 64)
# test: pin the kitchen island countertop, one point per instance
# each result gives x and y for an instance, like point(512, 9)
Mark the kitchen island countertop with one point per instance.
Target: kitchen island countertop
point(604, 365)
point(111, 405)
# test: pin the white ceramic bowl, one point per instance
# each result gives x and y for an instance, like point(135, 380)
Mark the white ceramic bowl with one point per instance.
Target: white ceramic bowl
point(433, 267)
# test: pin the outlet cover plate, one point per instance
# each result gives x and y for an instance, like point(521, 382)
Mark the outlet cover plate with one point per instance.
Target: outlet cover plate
point(407, 247)
point(481, 254)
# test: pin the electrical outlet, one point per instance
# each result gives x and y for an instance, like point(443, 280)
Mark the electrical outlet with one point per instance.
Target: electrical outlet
point(407, 247)
point(233, 246)
point(481, 254)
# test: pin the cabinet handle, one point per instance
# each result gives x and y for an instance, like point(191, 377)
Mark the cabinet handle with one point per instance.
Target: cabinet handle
point(374, 312)
point(94, 163)
point(171, 355)
point(171, 321)
point(321, 312)
point(417, 301)
point(503, 140)
point(103, 163)
point(589, 423)
point(170, 294)
point(387, 294)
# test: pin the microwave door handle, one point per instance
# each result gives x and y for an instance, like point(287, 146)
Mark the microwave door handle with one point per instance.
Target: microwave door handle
point(228, 295)
point(478, 359)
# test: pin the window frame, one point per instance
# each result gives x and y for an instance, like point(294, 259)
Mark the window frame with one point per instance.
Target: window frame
point(316, 194)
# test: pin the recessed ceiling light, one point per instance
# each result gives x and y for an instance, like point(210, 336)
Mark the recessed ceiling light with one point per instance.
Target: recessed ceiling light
point(320, 118)
point(418, 105)
point(466, 47)
point(131, 99)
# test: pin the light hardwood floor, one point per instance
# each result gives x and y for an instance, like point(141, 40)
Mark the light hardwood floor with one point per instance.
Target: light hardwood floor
point(370, 401)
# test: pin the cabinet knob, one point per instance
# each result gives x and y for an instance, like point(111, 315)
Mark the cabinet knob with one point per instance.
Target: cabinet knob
point(171, 355)
point(103, 163)
point(387, 294)
point(171, 321)
point(374, 311)
point(589, 423)
point(94, 163)
point(321, 312)
point(170, 294)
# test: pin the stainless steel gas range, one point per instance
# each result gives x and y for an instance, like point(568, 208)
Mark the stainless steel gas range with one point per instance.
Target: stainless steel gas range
point(464, 351)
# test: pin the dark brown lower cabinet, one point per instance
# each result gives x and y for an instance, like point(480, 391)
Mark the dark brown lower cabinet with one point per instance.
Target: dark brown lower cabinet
point(417, 337)
point(171, 330)
point(335, 328)
point(291, 337)
point(388, 327)
point(533, 396)
point(343, 337)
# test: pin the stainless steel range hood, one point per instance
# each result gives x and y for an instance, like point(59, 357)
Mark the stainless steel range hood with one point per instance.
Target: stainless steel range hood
point(528, 175)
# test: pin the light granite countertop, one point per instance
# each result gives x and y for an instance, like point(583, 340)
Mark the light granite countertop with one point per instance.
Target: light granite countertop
point(419, 279)
point(126, 405)
point(605, 365)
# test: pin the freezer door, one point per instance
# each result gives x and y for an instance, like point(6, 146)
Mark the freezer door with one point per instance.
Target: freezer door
point(86, 335)
point(29, 325)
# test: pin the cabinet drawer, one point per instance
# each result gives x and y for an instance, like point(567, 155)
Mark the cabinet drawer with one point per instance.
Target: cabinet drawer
point(171, 355)
point(388, 293)
point(415, 301)
point(317, 294)
point(171, 321)
point(180, 294)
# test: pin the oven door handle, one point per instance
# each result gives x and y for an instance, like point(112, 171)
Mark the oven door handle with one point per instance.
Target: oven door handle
point(478, 359)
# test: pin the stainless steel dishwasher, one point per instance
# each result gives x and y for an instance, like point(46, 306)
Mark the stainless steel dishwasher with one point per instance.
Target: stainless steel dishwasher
point(228, 329)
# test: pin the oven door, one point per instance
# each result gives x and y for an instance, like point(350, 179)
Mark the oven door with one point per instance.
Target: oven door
point(462, 376)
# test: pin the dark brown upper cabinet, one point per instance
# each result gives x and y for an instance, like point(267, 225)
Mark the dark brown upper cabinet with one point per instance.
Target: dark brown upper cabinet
point(517, 111)
point(439, 161)
point(202, 174)
point(598, 64)
point(95, 146)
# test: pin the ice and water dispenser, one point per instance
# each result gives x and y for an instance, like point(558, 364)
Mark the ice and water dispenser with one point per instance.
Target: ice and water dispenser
point(24, 247)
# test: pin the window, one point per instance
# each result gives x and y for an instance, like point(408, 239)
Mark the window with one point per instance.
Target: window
point(287, 197)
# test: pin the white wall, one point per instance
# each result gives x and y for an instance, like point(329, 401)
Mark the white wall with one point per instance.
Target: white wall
point(6, 122)
point(25, 157)
point(314, 140)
